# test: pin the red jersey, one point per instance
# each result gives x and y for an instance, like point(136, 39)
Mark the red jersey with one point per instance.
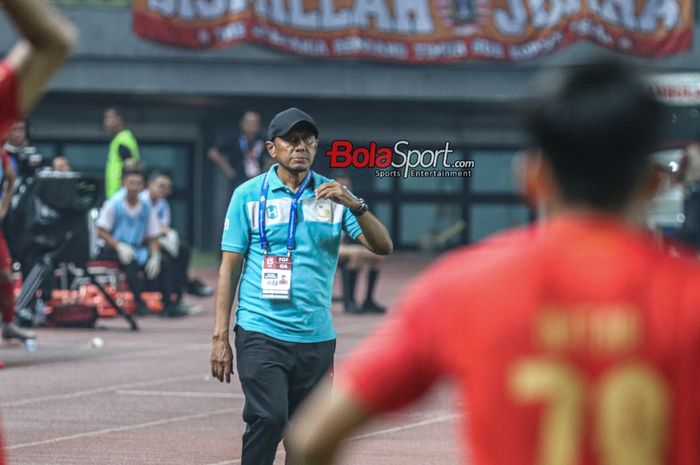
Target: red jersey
point(9, 99)
point(572, 342)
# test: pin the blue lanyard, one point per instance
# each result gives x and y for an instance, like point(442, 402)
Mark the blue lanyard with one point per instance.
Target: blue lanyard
point(292, 227)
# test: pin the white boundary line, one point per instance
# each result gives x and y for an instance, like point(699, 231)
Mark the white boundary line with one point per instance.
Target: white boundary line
point(233, 462)
point(89, 392)
point(150, 353)
point(102, 390)
point(418, 424)
point(396, 429)
point(121, 428)
point(144, 354)
point(136, 355)
point(205, 395)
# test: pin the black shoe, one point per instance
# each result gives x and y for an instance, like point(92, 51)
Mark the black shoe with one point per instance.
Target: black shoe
point(199, 289)
point(372, 307)
point(173, 311)
point(352, 308)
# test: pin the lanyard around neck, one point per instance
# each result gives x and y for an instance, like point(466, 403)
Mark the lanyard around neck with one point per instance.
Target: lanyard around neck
point(292, 226)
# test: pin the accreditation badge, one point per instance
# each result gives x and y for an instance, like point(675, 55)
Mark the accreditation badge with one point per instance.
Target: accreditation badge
point(276, 277)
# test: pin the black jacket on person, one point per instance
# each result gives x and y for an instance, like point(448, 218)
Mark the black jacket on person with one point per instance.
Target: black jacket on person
point(237, 149)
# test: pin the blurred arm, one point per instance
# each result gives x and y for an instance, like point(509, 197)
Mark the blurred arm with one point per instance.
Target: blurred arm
point(229, 275)
point(153, 233)
point(330, 415)
point(8, 189)
point(49, 37)
point(375, 237)
point(107, 237)
point(221, 352)
point(216, 156)
point(153, 246)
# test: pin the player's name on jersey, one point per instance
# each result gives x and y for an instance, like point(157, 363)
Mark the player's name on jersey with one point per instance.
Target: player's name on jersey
point(591, 329)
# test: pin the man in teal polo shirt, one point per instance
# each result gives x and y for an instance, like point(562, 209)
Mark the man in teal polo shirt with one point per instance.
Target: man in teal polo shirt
point(280, 243)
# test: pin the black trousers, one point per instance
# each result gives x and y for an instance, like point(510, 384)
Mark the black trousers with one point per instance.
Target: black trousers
point(181, 264)
point(172, 280)
point(276, 377)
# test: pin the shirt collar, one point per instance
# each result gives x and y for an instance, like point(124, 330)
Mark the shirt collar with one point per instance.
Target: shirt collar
point(145, 197)
point(276, 184)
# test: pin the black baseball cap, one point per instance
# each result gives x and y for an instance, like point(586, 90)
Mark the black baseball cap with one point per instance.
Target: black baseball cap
point(284, 121)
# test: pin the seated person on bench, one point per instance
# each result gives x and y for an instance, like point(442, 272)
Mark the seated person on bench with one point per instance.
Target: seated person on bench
point(156, 195)
point(127, 225)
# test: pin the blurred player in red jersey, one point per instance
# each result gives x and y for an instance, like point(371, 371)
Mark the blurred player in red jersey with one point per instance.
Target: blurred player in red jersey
point(572, 342)
point(47, 38)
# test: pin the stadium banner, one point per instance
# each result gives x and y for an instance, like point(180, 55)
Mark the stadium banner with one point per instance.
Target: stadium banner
point(92, 3)
point(420, 31)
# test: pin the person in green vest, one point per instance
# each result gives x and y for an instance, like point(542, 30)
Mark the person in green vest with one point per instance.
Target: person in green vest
point(122, 147)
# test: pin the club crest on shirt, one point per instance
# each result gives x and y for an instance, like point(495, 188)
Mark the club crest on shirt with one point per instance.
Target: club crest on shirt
point(324, 209)
point(272, 212)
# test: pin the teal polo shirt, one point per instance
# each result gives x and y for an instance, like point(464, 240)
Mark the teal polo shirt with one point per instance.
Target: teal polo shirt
point(306, 317)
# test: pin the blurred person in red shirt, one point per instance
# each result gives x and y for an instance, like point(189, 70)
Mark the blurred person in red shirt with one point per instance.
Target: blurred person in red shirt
point(573, 341)
point(47, 39)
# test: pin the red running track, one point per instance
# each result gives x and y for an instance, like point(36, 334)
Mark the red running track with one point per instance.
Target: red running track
point(146, 398)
